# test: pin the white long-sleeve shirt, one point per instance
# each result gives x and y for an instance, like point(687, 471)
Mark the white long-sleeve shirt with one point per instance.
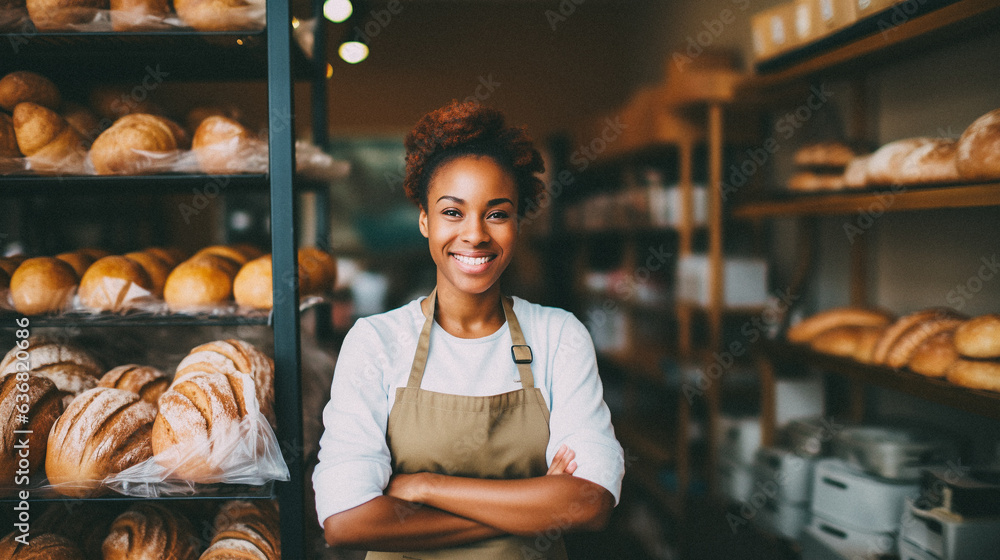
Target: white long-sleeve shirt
point(354, 459)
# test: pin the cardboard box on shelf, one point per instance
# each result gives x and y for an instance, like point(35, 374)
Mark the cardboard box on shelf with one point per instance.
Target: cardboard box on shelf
point(773, 31)
point(836, 14)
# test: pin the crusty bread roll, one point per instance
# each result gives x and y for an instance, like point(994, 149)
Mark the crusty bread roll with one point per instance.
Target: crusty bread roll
point(71, 369)
point(21, 86)
point(978, 154)
point(904, 346)
point(83, 120)
point(808, 328)
point(901, 325)
point(933, 162)
point(103, 432)
point(200, 281)
point(146, 381)
point(197, 427)
point(148, 531)
point(138, 15)
point(84, 523)
point(847, 340)
point(237, 511)
point(225, 252)
point(117, 150)
point(823, 154)
point(154, 267)
point(43, 546)
point(809, 181)
point(253, 539)
point(885, 163)
point(230, 356)
point(79, 261)
point(8, 138)
point(42, 285)
point(47, 140)
point(219, 15)
point(170, 255)
point(979, 337)
point(935, 355)
point(44, 405)
point(219, 144)
point(975, 374)
point(114, 284)
point(62, 15)
point(253, 285)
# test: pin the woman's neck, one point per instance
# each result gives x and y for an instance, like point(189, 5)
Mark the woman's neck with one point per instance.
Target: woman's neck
point(468, 315)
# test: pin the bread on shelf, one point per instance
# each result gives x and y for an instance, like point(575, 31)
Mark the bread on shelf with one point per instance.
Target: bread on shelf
point(808, 328)
point(253, 285)
point(18, 87)
point(146, 381)
point(975, 374)
point(904, 323)
point(850, 341)
point(226, 252)
point(978, 153)
point(83, 120)
point(138, 15)
point(811, 181)
point(856, 173)
point(823, 154)
point(124, 148)
point(114, 284)
point(248, 529)
point(42, 285)
point(103, 432)
point(233, 356)
point(150, 531)
point(906, 344)
point(170, 255)
point(199, 282)
point(935, 355)
point(63, 15)
point(885, 163)
point(47, 140)
point(35, 412)
point(84, 523)
point(70, 368)
point(219, 144)
point(979, 337)
point(933, 162)
point(8, 138)
point(78, 260)
point(41, 546)
point(220, 15)
point(154, 267)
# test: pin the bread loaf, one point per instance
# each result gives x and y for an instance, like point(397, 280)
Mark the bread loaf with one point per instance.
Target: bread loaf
point(197, 427)
point(219, 144)
point(823, 154)
point(933, 162)
point(320, 267)
point(229, 356)
point(975, 374)
point(978, 154)
point(62, 15)
point(200, 281)
point(103, 432)
point(254, 540)
point(935, 355)
point(138, 15)
point(885, 164)
point(83, 120)
point(904, 346)
point(119, 149)
point(114, 284)
point(806, 329)
point(44, 405)
point(79, 261)
point(47, 140)
point(979, 337)
point(84, 523)
point(113, 103)
point(849, 341)
point(238, 511)
point(809, 181)
point(253, 285)
point(901, 325)
point(21, 86)
point(8, 138)
point(856, 173)
point(71, 369)
point(146, 381)
point(170, 255)
point(225, 252)
point(219, 15)
point(149, 531)
point(42, 285)
point(155, 268)
point(44, 546)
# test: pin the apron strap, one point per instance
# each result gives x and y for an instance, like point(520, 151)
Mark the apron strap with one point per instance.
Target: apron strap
point(520, 351)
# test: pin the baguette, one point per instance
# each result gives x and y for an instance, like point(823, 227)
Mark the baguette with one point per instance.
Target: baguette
point(901, 325)
point(935, 355)
point(808, 328)
point(844, 340)
point(904, 346)
point(975, 374)
point(979, 337)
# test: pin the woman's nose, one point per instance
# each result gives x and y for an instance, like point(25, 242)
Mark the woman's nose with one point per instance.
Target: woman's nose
point(475, 232)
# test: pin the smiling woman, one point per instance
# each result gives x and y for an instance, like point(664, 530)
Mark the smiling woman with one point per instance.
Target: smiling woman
point(487, 409)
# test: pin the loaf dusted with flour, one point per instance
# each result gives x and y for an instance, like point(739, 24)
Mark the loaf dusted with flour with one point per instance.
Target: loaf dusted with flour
point(45, 546)
point(978, 156)
point(44, 405)
point(84, 523)
point(146, 381)
point(230, 357)
point(245, 531)
point(103, 432)
point(71, 369)
point(149, 531)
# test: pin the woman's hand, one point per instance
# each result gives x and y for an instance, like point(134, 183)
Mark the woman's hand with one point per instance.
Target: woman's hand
point(562, 461)
point(409, 487)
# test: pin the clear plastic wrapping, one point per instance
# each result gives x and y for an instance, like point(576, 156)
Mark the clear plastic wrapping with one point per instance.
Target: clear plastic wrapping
point(250, 17)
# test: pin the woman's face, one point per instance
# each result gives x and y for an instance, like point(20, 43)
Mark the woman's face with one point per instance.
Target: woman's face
point(470, 222)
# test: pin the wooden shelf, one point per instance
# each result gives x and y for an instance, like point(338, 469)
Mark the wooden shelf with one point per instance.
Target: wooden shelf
point(865, 45)
point(872, 201)
point(983, 403)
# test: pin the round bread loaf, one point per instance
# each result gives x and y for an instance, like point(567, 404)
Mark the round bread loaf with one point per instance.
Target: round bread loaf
point(44, 546)
point(935, 355)
point(884, 165)
point(201, 281)
point(220, 144)
point(904, 346)
point(47, 140)
point(978, 154)
point(103, 432)
point(197, 427)
point(975, 374)
point(155, 268)
point(71, 369)
point(933, 162)
point(114, 284)
point(149, 531)
point(321, 268)
point(8, 138)
point(138, 15)
point(220, 15)
point(146, 381)
point(253, 286)
point(18, 87)
point(44, 405)
point(63, 15)
point(83, 120)
point(979, 337)
point(79, 261)
point(42, 285)
point(118, 150)
point(250, 539)
point(237, 511)
point(225, 252)
point(805, 330)
point(84, 523)
point(229, 356)
point(901, 325)
point(170, 255)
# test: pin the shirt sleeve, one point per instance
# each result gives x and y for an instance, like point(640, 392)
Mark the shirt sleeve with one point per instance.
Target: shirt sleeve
point(578, 415)
point(354, 461)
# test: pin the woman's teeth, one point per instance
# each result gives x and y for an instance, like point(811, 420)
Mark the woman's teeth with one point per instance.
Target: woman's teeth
point(472, 261)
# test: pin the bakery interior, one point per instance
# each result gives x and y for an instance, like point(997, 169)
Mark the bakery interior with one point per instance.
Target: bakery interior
point(778, 221)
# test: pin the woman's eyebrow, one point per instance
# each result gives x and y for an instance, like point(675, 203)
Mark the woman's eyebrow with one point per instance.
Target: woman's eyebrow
point(454, 199)
point(496, 201)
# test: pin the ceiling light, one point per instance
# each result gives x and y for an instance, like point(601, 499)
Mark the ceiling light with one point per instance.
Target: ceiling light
point(337, 11)
point(353, 51)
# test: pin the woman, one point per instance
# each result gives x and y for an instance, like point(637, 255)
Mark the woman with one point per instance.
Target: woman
point(454, 421)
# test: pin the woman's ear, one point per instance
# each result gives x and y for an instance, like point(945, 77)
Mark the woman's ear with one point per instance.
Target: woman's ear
point(423, 222)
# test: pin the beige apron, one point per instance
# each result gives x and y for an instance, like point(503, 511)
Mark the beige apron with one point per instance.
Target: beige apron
point(501, 436)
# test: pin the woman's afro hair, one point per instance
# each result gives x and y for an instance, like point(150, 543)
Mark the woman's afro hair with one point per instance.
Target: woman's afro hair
point(468, 128)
